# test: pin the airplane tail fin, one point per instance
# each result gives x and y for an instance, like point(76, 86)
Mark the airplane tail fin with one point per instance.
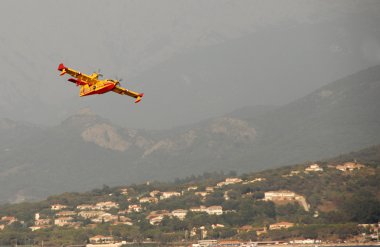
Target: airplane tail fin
point(138, 99)
point(62, 68)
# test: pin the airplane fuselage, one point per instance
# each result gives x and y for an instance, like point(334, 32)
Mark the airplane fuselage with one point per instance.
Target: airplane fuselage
point(98, 88)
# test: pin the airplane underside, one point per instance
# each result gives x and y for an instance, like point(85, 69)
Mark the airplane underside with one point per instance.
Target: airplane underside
point(87, 90)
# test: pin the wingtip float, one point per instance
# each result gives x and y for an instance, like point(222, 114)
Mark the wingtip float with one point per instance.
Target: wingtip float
point(90, 84)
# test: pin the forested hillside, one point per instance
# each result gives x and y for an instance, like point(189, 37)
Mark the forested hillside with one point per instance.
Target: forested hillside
point(324, 200)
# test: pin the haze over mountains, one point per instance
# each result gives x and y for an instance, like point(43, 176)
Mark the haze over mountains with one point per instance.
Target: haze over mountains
point(218, 76)
point(86, 150)
point(192, 59)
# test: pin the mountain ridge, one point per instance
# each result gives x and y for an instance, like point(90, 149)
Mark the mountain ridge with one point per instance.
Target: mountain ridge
point(86, 150)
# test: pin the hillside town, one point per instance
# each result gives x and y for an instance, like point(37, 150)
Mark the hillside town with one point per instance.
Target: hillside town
point(131, 207)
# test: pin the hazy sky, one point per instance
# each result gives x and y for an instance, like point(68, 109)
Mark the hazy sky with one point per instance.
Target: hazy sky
point(193, 59)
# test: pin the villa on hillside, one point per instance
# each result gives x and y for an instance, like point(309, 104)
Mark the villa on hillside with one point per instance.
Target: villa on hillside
point(86, 207)
point(279, 195)
point(123, 220)
point(106, 217)
point(281, 225)
point(228, 181)
point(201, 193)
point(57, 207)
point(180, 213)
point(214, 226)
point(254, 180)
point(233, 180)
point(65, 213)
point(90, 214)
point(106, 205)
point(42, 222)
point(124, 191)
point(198, 209)
point(8, 219)
point(155, 217)
point(63, 221)
point(192, 188)
point(100, 239)
point(148, 200)
point(260, 230)
point(314, 168)
point(209, 189)
point(286, 195)
point(154, 193)
point(349, 166)
point(156, 220)
point(291, 174)
point(168, 194)
point(218, 210)
point(134, 208)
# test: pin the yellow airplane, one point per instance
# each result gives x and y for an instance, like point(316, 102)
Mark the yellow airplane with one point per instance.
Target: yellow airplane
point(90, 84)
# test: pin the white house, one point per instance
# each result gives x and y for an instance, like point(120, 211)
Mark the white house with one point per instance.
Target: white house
point(154, 193)
point(90, 214)
point(198, 209)
point(63, 221)
point(314, 168)
point(180, 213)
point(201, 193)
point(280, 225)
point(349, 166)
point(57, 207)
point(148, 200)
point(100, 239)
point(192, 188)
point(107, 205)
point(134, 208)
point(233, 180)
point(86, 207)
point(218, 210)
point(124, 191)
point(65, 213)
point(279, 195)
point(168, 194)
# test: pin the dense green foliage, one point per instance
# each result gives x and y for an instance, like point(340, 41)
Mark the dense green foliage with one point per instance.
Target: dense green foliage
point(339, 201)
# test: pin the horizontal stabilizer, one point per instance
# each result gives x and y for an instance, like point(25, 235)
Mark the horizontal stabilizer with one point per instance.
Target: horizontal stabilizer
point(138, 99)
point(62, 68)
point(76, 81)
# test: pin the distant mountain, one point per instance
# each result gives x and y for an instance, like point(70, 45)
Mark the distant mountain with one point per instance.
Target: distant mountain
point(86, 150)
point(338, 117)
point(193, 60)
point(272, 66)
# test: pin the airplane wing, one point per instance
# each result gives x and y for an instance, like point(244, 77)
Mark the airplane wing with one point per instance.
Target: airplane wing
point(124, 91)
point(83, 78)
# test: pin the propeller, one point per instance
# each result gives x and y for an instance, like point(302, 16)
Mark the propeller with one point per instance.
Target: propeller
point(118, 79)
point(99, 73)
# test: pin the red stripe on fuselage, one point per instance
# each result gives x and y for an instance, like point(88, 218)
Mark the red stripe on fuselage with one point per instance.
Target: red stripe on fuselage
point(106, 87)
